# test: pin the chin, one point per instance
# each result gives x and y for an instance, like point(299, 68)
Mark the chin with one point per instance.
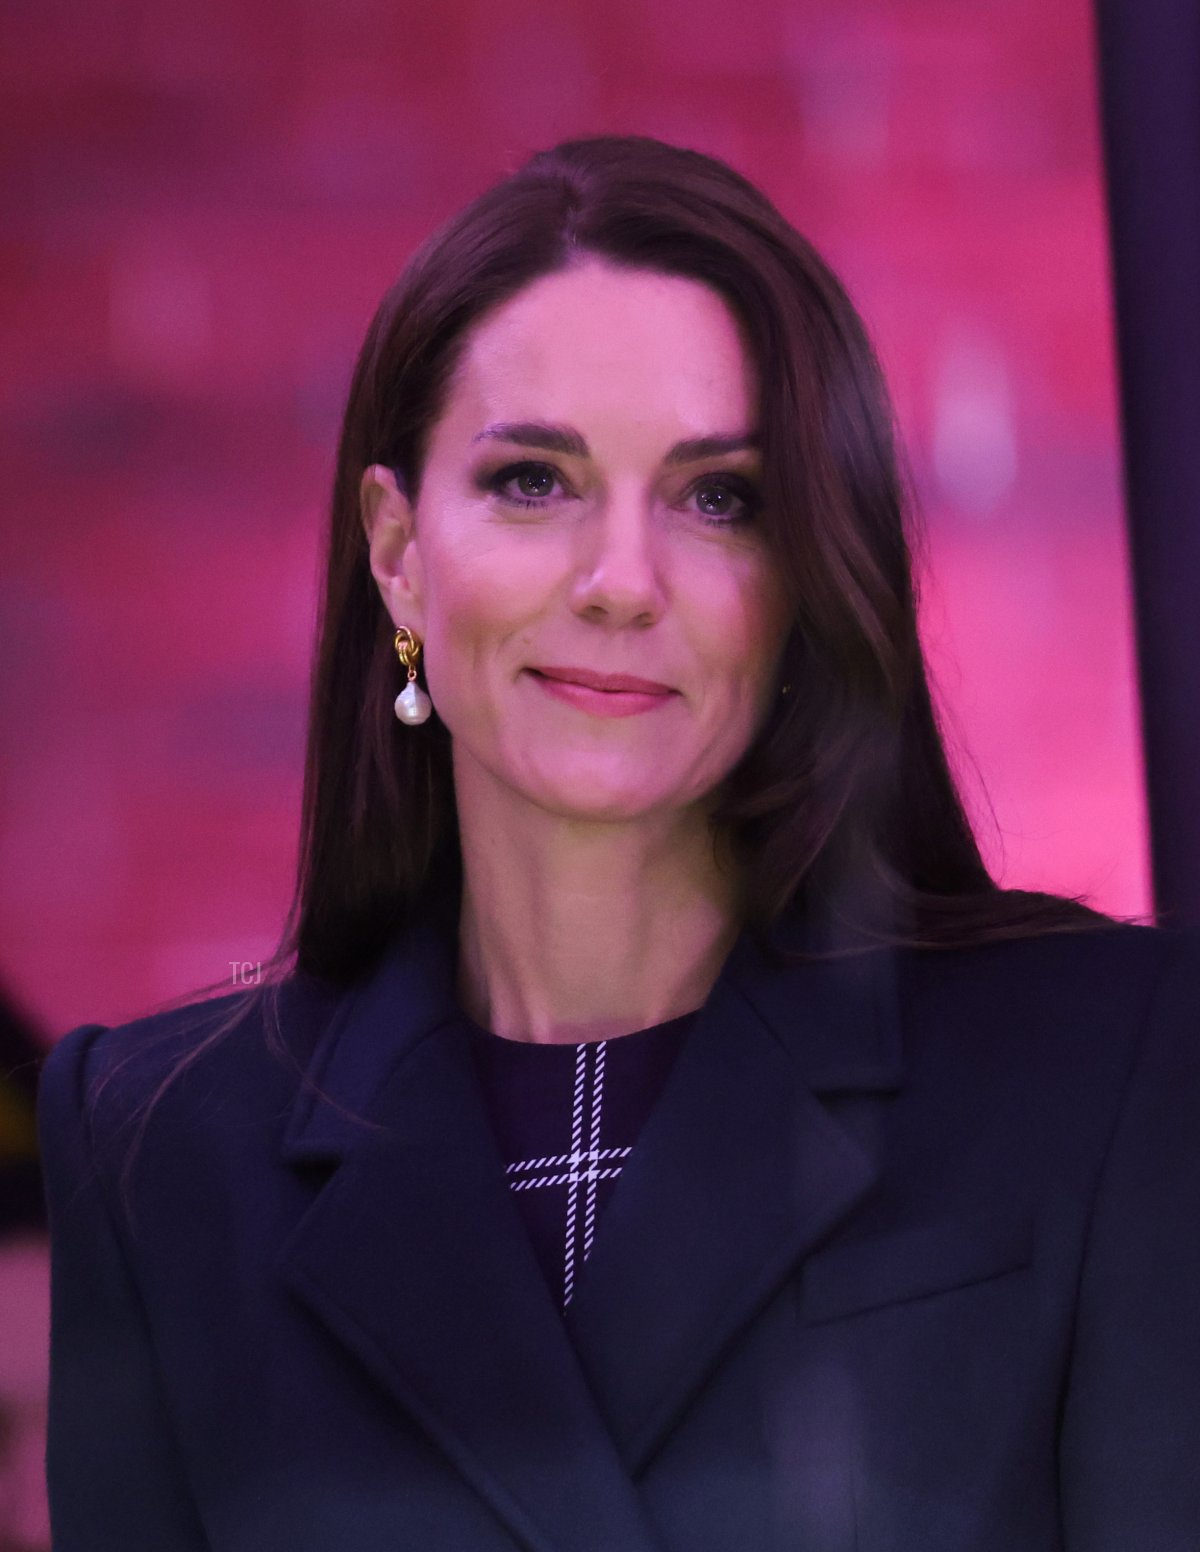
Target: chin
point(583, 793)
point(583, 784)
point(571, 803)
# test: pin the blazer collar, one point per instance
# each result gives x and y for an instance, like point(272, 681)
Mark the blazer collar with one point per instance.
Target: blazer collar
point(410, 994)
point(838, 1019)
point(415, 1257)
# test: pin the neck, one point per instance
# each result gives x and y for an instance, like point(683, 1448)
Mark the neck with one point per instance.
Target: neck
point(573, 930)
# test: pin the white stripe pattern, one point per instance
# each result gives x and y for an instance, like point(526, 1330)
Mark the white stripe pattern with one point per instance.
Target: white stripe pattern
point(573, 1187)
point(597, 1096)
point(582, 1166)
point(551, 1159)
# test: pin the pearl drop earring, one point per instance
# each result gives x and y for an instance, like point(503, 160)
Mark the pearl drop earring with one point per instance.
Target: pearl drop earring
point(412, 704)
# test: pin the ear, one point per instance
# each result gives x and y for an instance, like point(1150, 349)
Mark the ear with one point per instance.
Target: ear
point(388, 522)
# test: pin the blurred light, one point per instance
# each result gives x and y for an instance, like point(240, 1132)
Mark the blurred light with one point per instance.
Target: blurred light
point(160, 315)
point(844, 85)
point(974, 436)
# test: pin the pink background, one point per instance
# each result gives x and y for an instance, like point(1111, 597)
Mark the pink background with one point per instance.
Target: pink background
point(204, 204)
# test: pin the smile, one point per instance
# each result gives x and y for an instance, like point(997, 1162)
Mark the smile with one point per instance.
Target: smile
point(601, 703)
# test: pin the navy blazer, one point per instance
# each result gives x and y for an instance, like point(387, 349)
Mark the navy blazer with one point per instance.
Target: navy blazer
point(907, 1259)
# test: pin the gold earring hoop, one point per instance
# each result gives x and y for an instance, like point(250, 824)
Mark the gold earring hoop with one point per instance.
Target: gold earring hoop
point(412, 704)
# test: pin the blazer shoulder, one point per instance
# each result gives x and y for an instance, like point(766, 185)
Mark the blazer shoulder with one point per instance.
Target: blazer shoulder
point(102, 1076)
point(1072, 993)
point(1103, 957)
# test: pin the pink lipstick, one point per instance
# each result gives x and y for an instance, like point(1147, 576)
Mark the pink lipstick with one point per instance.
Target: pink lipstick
point(604, 695)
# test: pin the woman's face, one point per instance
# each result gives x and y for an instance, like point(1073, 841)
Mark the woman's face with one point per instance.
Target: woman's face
point(589, 501)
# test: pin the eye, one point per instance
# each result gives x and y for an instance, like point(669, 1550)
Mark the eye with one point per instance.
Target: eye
point(724, 500)
point(524, 484)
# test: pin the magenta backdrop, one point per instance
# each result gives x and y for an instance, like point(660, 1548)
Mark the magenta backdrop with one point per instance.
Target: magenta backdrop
point(204, 204)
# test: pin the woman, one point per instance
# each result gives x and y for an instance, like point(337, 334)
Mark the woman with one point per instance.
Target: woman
point(658, 1131)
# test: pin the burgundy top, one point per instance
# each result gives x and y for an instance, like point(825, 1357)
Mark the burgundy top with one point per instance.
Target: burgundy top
point(566, 1118)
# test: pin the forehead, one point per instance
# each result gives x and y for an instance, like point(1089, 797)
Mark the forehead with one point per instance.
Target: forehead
point(607, 348)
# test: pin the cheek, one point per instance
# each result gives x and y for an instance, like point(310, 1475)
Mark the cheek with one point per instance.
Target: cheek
point(480, 597)
point(743, 616)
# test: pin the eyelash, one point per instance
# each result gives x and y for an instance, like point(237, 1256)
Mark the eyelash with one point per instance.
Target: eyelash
point(733, 484)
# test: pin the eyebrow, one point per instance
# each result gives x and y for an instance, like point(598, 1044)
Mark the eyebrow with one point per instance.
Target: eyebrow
point(567, 441)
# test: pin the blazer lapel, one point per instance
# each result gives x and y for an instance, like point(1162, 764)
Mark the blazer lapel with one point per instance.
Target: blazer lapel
point(739, 1172)
point(414, 1256)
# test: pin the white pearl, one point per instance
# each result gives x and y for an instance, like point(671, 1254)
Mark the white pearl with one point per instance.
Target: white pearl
point(412, 704)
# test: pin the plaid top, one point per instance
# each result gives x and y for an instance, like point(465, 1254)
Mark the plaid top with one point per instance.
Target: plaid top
point(566, 1118)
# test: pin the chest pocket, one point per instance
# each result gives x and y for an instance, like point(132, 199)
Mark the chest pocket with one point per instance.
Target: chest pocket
point(910, 1263)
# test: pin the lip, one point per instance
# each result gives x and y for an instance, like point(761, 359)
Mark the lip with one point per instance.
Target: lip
point(609, 682)
point(601, 703)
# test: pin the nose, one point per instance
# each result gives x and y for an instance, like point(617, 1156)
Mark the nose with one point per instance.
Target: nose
point(618, 572)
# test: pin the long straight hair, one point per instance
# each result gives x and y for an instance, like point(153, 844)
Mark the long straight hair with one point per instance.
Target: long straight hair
point(843, 812)
point(844, 807)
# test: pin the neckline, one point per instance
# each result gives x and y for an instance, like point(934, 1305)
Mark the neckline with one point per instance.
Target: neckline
point(645, 1036)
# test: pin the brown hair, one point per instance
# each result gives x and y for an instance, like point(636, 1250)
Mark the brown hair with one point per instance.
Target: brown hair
point(843, 810)
point(845, 802)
